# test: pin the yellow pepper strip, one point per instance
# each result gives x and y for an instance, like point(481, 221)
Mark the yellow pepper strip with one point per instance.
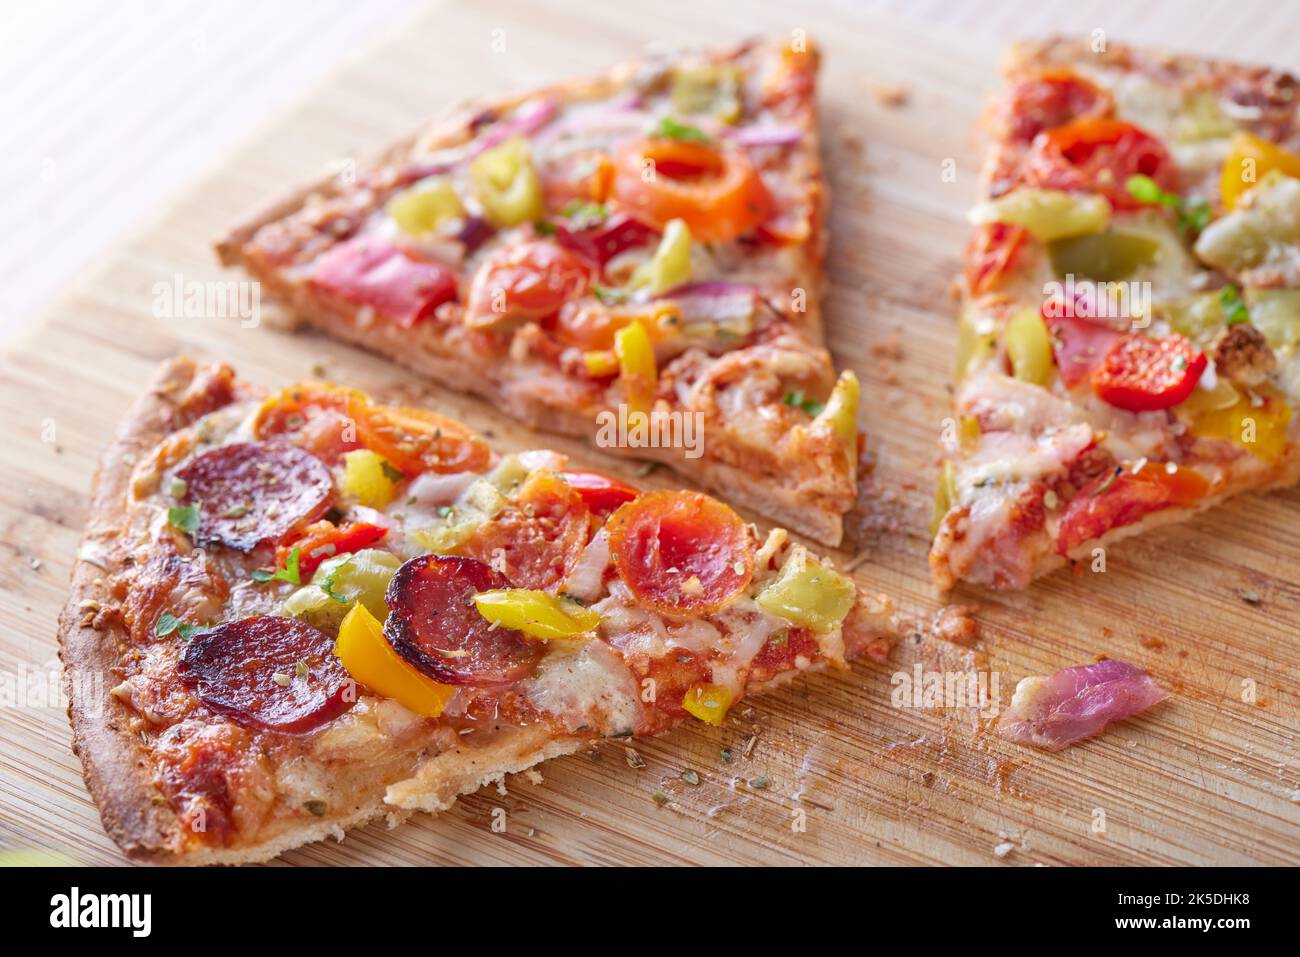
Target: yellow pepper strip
point(366, 480)
point(537, 614)
point(506, 184)
point(671, 263)
point(636, 364)
point(424, 207)
point(841, 410)
point(371, 660)
point(709, 703)
point(808, 593)
point(1248, 160)
point(600, 363)
point(945, 496)
point(1029, 346)
point(1048, 214)
point(973, 347)
point(1259, 429)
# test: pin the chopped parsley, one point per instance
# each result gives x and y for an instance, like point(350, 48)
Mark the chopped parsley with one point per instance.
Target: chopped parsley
point(391, 473)
point(609, 295)
point(585, 214)
point(184, 517)
point(544, 227)
point(670, 129)
point(1234, 308)
point(289, 573)
point(327, 586)
point(691, 777)
point(797, 400)
point(1193, 214)
point(168, 623)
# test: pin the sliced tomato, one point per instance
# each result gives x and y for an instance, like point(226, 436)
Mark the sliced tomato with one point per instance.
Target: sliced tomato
point(1098, 154)
point(323, 540)
point(538, 538)
point(1079, 345)
point(1050, 99)
point(991, 254)
point(1122, 496)
point(529, 280)
point(434, 624)
point(417, 440)
point(601, 242)
point(715, 190)
point(681, 552)
point(314, 416)
point(602, 493)
point(1140, 374)
point(368, 271)
point(583, 176)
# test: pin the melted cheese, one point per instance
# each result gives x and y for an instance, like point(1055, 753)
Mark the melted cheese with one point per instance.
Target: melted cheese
point(586, 684)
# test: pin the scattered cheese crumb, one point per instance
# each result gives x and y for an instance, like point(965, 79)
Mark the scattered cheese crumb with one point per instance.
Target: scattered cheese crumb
point(1003, 849)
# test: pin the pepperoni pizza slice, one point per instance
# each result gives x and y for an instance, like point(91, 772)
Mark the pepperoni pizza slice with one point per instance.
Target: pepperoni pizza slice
point(645, 243)
point(292, 613)
point(1130, 333)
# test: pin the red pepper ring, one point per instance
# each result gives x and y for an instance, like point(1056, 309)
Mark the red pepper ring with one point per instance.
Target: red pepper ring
point(1142, 374)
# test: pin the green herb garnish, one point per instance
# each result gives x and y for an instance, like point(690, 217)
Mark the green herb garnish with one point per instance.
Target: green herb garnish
point(327, 586)
point(1234, 308)
point(1193, 214)
point(670, 129)
point(797, 400)
point(289, 573)
point(609, 295)
point(391, 473)
point(168, 623)
point(585, 214)
point(544, 227)
point(184, 517)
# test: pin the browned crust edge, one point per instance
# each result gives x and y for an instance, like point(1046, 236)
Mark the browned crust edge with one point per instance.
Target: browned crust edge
point(112, 758)
point(804, 514)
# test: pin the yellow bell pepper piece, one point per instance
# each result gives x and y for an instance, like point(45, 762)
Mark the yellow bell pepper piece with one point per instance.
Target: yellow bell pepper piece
point(945, 496)
point(670, 265)
point(537, 614)
point(808, 593)
point(1029, 346)
point(841, 410)
point(1249, 159)
point(972, 346)
point(421, 209)
point(506, 184)
point(366, 480)
point(1048, 214)
point(636, 364)
point(711, 88)
point(600, 363)
point(708, 702)
point(1259, 429)
point(371, 660)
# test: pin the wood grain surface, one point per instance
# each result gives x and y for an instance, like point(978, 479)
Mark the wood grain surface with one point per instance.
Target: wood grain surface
point(1210, 608)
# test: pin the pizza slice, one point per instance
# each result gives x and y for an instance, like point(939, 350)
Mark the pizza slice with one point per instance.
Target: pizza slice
point(293, 613)
point(634, 259)
point(1131, 314)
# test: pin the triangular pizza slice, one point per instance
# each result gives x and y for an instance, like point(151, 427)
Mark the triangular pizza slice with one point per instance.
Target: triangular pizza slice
point(634, 259)
point(292, 613)
point(1131, 316)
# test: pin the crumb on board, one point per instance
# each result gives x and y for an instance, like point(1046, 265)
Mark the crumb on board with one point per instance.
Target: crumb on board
point(1003, 849)
point(891, 95)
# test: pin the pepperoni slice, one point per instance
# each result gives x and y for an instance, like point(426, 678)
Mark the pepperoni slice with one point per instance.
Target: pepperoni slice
point(1051, 99)
point(255, 492)
point(269, 673)
point(681, 552)
point(434, 625)
point(539, 537)
point(1095, 154)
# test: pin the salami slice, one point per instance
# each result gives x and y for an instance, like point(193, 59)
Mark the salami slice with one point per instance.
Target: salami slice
point(681, 552)
point(252, 493)
point(269, 673)
point(433, 624)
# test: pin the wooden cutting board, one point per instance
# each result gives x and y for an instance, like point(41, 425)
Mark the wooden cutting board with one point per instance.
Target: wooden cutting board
point(1210, 608)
